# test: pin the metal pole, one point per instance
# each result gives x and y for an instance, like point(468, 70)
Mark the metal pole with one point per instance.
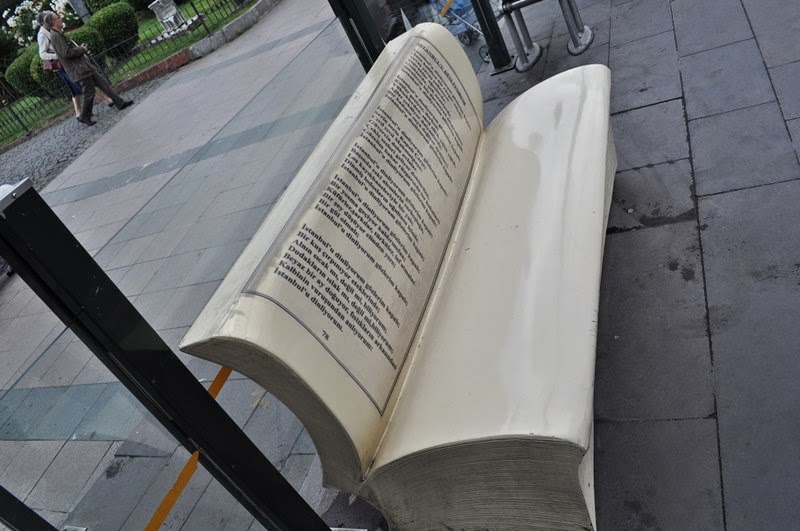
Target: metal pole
point(360, 29)
point(55, 265)
point(18, 516)
point(523, 29)
point(573, 7)
point(498, 52)
point(569, 18)
point(581, 35)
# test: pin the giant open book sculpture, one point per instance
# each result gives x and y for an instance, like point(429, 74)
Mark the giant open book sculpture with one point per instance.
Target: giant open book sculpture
point(424, 295)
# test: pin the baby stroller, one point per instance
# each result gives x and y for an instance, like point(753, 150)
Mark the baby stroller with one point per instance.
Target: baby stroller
point(462, 22)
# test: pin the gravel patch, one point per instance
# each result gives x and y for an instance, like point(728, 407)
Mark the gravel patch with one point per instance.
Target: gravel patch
point(42, 157)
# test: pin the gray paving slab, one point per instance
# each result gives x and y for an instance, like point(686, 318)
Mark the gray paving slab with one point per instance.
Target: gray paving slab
point(187, 501)
point(644, 72)
point(147, 439)
point(653, 358)
point(8, 451)
point(560, 60)
point(33, 375)
point(317, 496)
point(764, 151)
point(658, 475)
point(214, 232)
point(28, 465)
point(759, 448)
point(159, 486)
point(68, 365)
point(184, 305)
point(217, 509)
point(165, 242)
point(753, 288)
point(786, 79)
point(115, 275)
point(18, 296)
point(652, 195)
point(26, 334)
point(632, 21)
point(172, 271)
point(296, 467)
point(650, 135)
point(694, 22)
point(117, 491)
point(93, 372)
point(215, 263)
point(794, 131)
point(152, 303)
point(94, 239)
point(60, 485)
point(600, 29)
point(724, 79)
point(775, 24)
point(275, 427)
point(130, 251)
point(593, 12)
point(137, 276)
point(240, 398)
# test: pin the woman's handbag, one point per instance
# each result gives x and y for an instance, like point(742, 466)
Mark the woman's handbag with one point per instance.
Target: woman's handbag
point(51, 64)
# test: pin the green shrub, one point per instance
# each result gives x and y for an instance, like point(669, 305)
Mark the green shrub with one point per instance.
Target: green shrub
point(118, 27)
point(96, 5)
point(47, 79)
point(18, 73)
point(90, 37)
point(8, 48)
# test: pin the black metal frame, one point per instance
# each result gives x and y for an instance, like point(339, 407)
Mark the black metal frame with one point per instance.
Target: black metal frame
point(498, 51)
point(360, 29)
point(18, 516)
point(368, 43)
point(53, 263)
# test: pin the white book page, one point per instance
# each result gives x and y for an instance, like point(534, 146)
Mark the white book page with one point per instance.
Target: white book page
point(355, 263)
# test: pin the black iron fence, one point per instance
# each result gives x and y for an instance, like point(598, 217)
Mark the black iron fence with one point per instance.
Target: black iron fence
point(154, 43)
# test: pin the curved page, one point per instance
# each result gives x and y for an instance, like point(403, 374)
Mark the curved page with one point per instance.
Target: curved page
point(356, 263)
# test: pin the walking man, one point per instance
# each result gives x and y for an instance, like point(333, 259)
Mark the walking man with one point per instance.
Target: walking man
point(75, 60)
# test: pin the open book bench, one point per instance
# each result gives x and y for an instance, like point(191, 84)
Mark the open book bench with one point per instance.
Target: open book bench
point(424, 295)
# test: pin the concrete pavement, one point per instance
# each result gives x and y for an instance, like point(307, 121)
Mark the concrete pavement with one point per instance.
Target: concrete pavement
point(696, 399)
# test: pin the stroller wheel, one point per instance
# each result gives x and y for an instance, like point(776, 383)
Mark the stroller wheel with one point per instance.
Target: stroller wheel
point(483, 51)
point(464, 38)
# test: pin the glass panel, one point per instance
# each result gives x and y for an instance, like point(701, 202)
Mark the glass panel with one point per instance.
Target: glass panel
point(394, 17)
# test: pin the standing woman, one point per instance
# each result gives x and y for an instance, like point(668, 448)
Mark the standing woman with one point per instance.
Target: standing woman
point(46, 53)
point(74, 59)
